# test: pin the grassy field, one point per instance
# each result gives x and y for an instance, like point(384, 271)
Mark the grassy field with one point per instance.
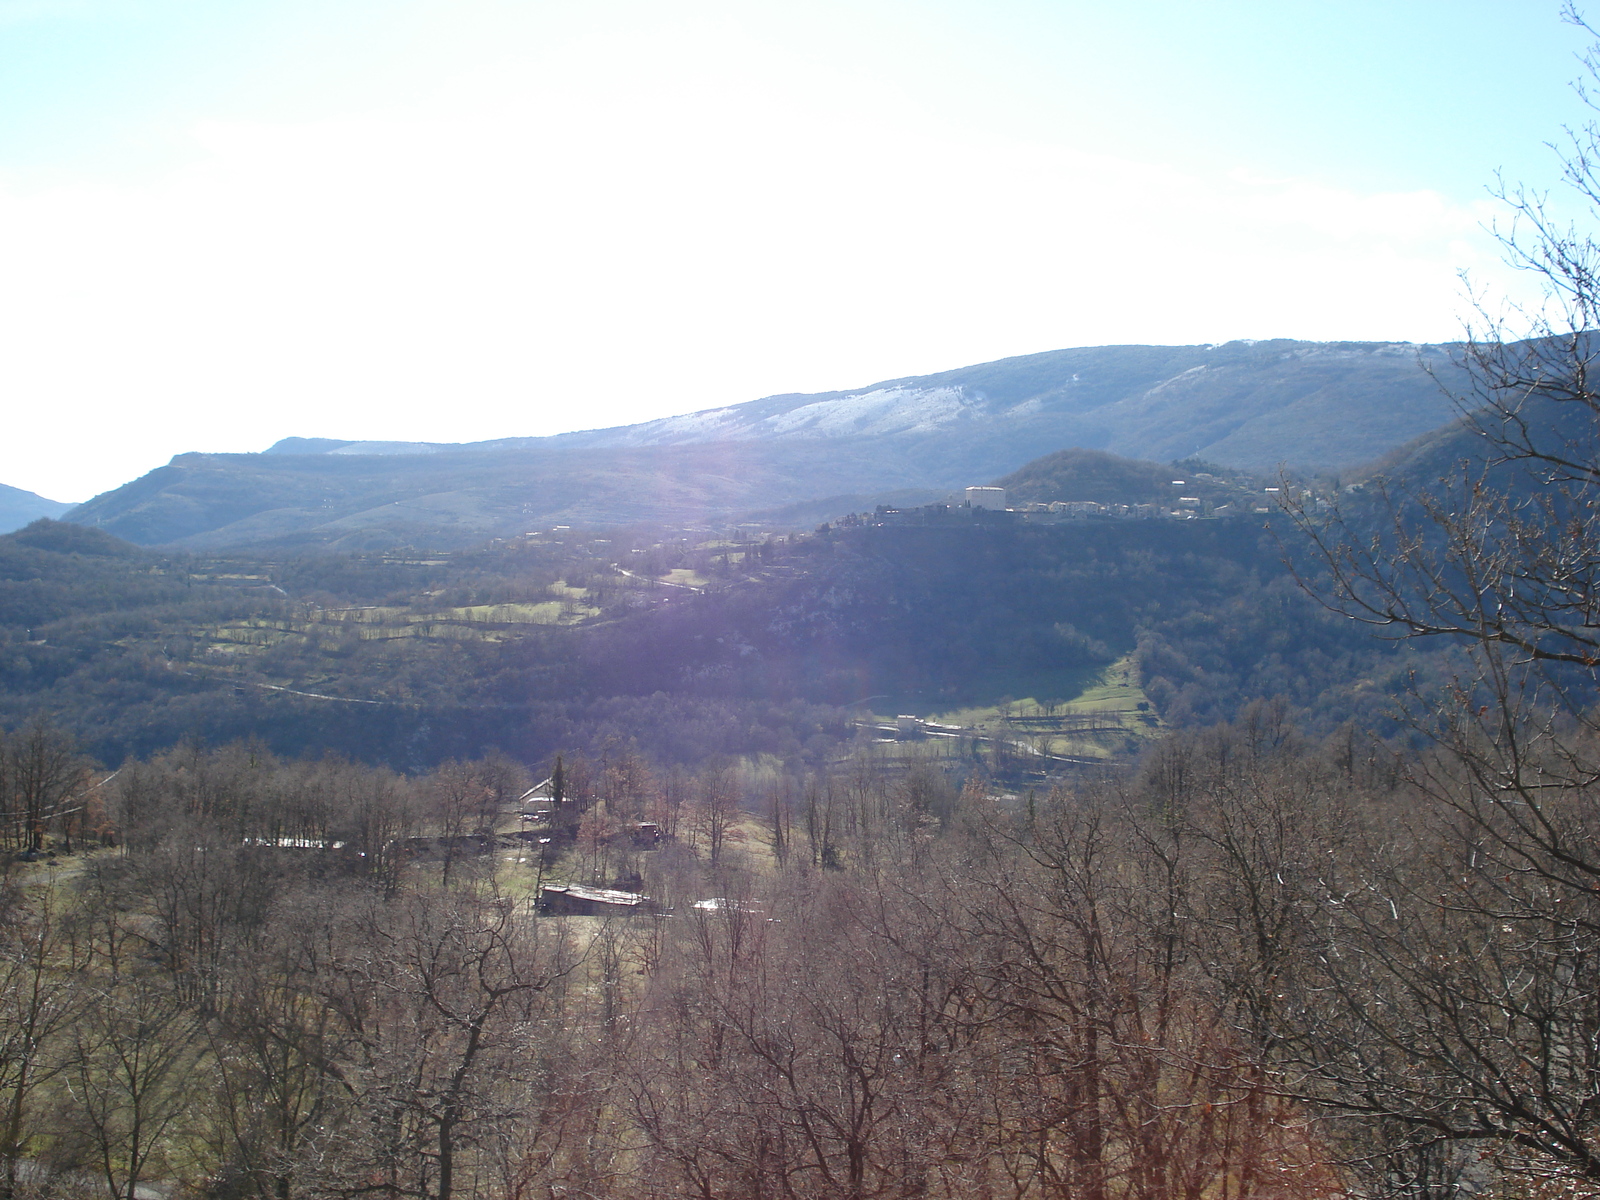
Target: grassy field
point(684, 577)
point(1105, 715)
point(480, 622)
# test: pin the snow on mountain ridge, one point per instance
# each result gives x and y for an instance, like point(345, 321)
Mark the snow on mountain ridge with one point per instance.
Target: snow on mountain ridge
point(1129, 398)
point(882, 410)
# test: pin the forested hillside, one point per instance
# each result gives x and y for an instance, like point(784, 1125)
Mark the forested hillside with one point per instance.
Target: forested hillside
point(543, 643)
point(852, 980)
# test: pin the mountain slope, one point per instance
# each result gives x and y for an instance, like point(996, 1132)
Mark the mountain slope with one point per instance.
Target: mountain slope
point(19, 508)
point(205, 501)
point(1250, 405)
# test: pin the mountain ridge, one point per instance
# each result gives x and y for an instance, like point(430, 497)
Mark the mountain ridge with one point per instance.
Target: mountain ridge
point(19, 508)
point(1127, 384)
point(1249, 405)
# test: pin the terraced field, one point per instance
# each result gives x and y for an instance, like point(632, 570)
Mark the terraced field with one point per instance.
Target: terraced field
point(482, 622)
point(1110, 718)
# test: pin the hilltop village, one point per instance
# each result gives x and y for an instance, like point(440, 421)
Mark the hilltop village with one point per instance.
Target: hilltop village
point(1212, 497)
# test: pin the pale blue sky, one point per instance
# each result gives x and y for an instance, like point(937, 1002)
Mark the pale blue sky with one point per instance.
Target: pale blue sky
point(222, 222)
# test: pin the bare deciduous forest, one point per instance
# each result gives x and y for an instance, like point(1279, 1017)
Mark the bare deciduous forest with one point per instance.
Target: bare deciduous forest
point(1256, 968)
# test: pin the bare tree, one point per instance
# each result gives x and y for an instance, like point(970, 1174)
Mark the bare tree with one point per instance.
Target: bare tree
point(273, 1045)
point(38, 1003)
point(379, 814)
point(43, 774)
point(459, 801)
point(135, 1046)
point(715, 813)
point(1456, 997)
point(1120, 1067)
point(437, 994)
point(783, 1058)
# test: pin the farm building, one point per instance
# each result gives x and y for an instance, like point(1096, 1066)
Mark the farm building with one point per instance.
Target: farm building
point(726, 907)
point(576, 900)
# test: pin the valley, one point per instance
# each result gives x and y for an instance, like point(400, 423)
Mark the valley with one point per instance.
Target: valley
point(519, 645)
point(705, 601)
point(727, 805)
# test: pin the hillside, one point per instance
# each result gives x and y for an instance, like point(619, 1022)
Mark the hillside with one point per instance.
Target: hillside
point(694, 647)
point(1248, 406)
point(1079, 474)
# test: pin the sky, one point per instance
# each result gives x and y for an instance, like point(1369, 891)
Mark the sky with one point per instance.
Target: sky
point(224, 222)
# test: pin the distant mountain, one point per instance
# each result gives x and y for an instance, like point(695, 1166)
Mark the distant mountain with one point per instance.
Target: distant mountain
point(19, 508)
point(372, 502)
point(1248, 405)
